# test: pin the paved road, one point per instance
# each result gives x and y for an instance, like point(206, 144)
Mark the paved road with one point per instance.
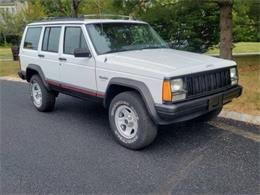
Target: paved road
point(72, 151)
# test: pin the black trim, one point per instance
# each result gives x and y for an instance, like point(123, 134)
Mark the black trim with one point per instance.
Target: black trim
point(138, 86)
point(38, 69)
point(191, 109)
point(76, 94)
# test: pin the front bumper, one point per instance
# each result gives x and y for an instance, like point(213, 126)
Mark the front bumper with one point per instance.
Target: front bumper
point(184, 111)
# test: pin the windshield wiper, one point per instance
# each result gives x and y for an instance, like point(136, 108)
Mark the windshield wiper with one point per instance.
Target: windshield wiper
point(153, 47)
point(121, 50)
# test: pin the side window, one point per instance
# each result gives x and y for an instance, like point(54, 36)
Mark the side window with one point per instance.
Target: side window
point(73, 39)
point(51, 39)
point(32, 38)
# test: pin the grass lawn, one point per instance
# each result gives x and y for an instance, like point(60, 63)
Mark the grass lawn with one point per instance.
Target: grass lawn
point(9, 68)
point(5, 53)
point(249, 102)
point(241, 47)
point(248, 60)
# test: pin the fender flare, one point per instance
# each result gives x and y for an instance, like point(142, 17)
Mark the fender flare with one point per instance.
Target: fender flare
point(141, 88)
point(38, 69)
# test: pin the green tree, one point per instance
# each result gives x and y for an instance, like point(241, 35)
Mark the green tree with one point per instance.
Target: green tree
point(97, 7)
point(244, 25)
point(57, 8)
point(190, 25)
point(75, 8)
point(7, 25)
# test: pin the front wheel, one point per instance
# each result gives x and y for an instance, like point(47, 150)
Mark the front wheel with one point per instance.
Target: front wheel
point(130, 122)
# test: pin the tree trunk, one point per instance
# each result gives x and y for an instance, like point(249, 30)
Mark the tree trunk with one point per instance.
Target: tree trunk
point(75, 8)
point(225, 28)
point(5, 41)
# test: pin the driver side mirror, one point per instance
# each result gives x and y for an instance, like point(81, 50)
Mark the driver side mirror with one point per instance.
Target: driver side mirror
point(82, 53)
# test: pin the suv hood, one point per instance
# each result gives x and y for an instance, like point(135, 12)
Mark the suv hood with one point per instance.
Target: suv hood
point(165, 62)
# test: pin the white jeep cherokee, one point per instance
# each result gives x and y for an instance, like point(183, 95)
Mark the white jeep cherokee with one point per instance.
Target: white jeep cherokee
point(127, 66)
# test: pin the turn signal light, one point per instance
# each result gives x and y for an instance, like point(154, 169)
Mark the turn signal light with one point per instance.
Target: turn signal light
point(166, 91)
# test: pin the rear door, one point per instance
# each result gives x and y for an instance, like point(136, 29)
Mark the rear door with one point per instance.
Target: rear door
point(30, 45)
point(48, 56)
point(76, 73)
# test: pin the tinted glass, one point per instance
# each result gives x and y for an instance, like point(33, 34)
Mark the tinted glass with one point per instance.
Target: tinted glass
point(51, 39)
point(118, 37)
point(73, 39)
point(32, 38)
point(45, 39)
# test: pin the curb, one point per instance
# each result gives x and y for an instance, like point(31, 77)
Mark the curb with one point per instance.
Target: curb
point(9, 78)
point(254, 119)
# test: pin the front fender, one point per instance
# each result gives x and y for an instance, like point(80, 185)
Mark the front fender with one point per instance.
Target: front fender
point(141, 88)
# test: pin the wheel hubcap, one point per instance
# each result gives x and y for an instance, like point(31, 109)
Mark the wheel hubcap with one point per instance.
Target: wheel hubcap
point(36, 94)
point(126, 121)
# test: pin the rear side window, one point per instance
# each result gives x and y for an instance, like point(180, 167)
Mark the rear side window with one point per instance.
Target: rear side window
point(73, 39)
point(51, 39)
point(32, 38)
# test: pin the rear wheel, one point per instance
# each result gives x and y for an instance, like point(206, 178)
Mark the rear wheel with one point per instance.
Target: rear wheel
point(130, 122)
point(42, 99)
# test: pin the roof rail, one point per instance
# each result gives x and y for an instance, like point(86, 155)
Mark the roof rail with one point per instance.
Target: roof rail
point(83, 17)
point(66, 18)
point(107, 16)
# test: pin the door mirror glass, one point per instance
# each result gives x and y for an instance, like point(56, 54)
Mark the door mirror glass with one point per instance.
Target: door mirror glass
point(82, 53)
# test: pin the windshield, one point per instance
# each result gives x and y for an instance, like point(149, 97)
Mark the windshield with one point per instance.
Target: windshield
point(118, 37)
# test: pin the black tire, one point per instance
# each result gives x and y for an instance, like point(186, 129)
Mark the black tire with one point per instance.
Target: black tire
point(209, 116)
point(145, 132)
point(48, 98)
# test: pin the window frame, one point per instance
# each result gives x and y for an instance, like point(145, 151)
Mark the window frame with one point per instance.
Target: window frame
point(43, 36)
point(39, 41)
point(64, 37)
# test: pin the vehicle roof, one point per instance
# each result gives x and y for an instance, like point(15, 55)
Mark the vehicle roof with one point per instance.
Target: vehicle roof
point(83, 21)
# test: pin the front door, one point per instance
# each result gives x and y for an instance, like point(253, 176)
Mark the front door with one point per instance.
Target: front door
point(77, 73)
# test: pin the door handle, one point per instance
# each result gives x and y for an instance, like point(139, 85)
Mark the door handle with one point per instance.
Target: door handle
point(62, 59)
point(41, 56)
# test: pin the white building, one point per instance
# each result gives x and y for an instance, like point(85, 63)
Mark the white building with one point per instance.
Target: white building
point(11, 6)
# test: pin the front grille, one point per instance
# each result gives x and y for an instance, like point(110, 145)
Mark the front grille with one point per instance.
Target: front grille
point(207, 82)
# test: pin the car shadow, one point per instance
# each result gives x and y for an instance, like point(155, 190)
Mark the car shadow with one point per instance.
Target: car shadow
point(188, 134)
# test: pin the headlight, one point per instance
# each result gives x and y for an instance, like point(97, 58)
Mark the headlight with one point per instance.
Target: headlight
point(233, 76)
point(176, 85)
point(173, 90)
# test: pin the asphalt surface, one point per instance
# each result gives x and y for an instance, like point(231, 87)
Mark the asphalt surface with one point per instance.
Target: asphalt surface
point(72, 151)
